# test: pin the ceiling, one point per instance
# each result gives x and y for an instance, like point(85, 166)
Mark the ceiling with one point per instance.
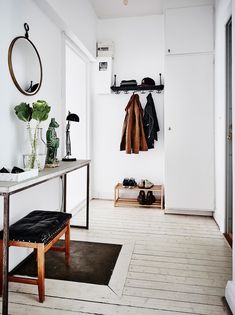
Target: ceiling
point(106, 9)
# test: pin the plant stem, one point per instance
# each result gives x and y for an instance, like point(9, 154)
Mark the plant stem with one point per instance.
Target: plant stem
point(34, 142)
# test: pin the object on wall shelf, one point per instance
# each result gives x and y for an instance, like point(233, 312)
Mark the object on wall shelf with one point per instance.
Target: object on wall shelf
point(132, 202)
point(115, 80)
point(139, 88)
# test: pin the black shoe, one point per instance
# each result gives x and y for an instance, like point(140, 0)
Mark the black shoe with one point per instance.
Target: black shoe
point(150, 199)
point(125, 182)
point(4, 170)
point(17, 170)
point(132, 183)
point(141, 198)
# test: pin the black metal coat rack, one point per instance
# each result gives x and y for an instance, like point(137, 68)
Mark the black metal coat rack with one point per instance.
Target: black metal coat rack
point(143, 89)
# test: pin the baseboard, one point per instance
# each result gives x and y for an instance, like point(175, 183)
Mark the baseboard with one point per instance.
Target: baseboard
point(229, 238)
point(230, 294)
point(103, 195)
point(207, 213)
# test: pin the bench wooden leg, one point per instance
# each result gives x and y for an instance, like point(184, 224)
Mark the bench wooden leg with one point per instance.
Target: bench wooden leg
point(35, 253)
point(41, 272)
point(1, 266)
point(67, 245)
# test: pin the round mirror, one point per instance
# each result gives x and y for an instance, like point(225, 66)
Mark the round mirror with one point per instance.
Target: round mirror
point(25, 65)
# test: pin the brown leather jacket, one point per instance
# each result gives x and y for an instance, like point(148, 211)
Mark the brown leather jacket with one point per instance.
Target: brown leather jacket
point(133, 137)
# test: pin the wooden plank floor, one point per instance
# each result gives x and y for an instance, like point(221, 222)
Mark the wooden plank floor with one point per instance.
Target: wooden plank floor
point(179, 265)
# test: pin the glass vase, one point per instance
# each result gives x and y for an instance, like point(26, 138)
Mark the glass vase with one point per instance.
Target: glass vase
point(35, 155)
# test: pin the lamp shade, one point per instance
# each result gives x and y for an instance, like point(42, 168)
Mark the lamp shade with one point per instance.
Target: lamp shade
point(72, 117)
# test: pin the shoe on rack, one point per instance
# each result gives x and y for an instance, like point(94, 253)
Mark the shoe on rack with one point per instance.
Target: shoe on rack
point(141, 184)
point(132, 183)
point(125, 182)
point(148, 184)
point(150, 199)
point(141, 197)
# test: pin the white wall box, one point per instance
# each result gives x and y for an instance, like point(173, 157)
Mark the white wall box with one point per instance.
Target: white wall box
point(103, 75)
point(105, 49)
point(189, 150)
point(189, 29)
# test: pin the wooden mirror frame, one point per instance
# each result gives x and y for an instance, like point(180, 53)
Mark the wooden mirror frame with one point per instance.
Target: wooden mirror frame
point(11, 66)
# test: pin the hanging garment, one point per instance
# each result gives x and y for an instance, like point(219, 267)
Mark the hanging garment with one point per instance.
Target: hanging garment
point(150, 122)
point(133, 137)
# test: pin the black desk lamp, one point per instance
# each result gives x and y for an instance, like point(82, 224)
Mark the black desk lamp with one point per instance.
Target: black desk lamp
point(70, 117)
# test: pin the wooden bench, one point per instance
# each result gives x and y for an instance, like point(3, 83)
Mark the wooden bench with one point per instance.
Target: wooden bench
point(39, 230)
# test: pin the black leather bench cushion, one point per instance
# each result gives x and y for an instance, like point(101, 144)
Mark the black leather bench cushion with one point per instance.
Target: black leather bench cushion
point(38, 226)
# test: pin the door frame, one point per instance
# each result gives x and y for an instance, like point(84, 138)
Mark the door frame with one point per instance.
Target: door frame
point(229, 154)
point(67, 40)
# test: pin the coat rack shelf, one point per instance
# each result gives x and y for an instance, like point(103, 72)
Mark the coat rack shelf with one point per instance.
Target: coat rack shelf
point(138, 88)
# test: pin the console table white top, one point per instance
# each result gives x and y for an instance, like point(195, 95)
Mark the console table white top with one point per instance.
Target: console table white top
point(44, 175)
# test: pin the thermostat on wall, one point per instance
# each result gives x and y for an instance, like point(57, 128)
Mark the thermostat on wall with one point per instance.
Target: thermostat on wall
point(105, 49)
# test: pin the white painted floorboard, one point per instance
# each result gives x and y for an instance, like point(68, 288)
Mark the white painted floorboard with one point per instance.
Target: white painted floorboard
point(175, 265)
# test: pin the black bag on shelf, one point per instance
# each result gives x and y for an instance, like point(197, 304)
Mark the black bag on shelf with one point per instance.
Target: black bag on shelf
point(128, 83)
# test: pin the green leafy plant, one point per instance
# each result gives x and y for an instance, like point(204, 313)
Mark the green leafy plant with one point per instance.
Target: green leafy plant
point(24, 112)
point(39, 111)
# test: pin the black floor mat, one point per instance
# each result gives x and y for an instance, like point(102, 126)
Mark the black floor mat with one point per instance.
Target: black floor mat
point(90, 263)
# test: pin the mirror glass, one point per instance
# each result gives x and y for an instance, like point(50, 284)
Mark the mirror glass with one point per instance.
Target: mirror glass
point(25, 66)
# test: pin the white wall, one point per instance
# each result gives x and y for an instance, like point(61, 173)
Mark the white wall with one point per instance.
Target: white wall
point(47, 38)
point(139, 52)
point(222, 13)
point(76, 16)
point(13, 14)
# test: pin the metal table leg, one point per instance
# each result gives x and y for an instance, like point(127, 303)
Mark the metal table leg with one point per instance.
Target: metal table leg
point(87, 198)
point(64, 192)
point(5, 254)
point(87, 195)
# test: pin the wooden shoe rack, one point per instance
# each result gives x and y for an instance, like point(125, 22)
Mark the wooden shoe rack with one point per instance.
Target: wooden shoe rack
point(120, 200)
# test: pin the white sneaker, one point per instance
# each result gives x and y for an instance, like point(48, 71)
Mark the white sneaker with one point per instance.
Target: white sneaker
point(148, 184)
point(141, 184)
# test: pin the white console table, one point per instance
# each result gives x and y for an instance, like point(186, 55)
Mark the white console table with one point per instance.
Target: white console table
point(9, 188)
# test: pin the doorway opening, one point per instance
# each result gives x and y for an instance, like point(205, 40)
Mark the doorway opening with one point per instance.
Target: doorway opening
point(229, 151)
point(76, 101)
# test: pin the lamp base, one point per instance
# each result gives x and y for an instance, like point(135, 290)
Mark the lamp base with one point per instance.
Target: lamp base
point(69, 159)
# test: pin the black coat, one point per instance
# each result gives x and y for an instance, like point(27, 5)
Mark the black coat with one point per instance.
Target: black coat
point(150, 122)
